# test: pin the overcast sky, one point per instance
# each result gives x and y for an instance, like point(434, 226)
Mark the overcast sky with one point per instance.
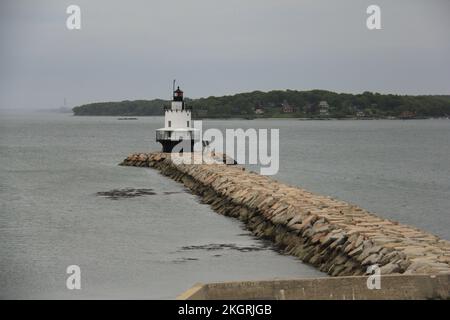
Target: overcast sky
point(133, 49)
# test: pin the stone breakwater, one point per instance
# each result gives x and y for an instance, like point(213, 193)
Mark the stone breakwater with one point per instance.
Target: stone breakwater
point(338, 238)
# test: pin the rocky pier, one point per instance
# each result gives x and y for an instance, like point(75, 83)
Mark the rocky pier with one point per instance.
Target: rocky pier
point(336, 237)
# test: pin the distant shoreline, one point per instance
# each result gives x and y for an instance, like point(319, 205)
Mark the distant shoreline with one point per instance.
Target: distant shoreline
point(272, 118)
point(278, 104)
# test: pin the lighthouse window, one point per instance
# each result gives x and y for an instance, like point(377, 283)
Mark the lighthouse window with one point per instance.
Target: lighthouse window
point(170, 124)
point(188, 124)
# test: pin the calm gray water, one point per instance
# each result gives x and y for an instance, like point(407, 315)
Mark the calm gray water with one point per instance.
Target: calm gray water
point(156, 246)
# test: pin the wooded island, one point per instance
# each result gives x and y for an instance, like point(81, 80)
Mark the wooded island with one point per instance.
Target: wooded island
point(315, 104)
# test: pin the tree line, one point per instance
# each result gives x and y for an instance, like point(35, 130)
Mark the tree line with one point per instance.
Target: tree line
point(269, 104)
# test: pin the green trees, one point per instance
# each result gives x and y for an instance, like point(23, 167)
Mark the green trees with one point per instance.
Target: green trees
point(342, 105)
point(122, 108)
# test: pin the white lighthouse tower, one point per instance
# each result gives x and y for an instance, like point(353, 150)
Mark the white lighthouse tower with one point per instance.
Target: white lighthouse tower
point(177, 129)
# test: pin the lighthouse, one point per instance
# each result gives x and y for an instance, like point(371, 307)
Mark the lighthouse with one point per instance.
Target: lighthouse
point(178, 131)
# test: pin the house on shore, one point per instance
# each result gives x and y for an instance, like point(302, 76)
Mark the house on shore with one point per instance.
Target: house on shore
point(287, 108)
point(324, 108)
point(259, 110)
point(360, 114)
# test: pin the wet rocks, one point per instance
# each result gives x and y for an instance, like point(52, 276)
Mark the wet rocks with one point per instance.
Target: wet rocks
point(125, 193)
point(224, 246)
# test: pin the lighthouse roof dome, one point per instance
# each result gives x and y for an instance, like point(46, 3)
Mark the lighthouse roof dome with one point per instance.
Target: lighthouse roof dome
point(178, 90)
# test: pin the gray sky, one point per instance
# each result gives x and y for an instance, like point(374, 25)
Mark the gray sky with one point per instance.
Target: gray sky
point(133, 49)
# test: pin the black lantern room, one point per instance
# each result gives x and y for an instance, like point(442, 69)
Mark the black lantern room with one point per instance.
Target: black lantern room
point(178, 95)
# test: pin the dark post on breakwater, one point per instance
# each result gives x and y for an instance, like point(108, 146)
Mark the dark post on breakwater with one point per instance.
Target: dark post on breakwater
point(336, 237)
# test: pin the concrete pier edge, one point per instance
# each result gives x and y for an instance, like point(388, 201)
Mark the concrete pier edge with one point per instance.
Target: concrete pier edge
point(392, 287)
